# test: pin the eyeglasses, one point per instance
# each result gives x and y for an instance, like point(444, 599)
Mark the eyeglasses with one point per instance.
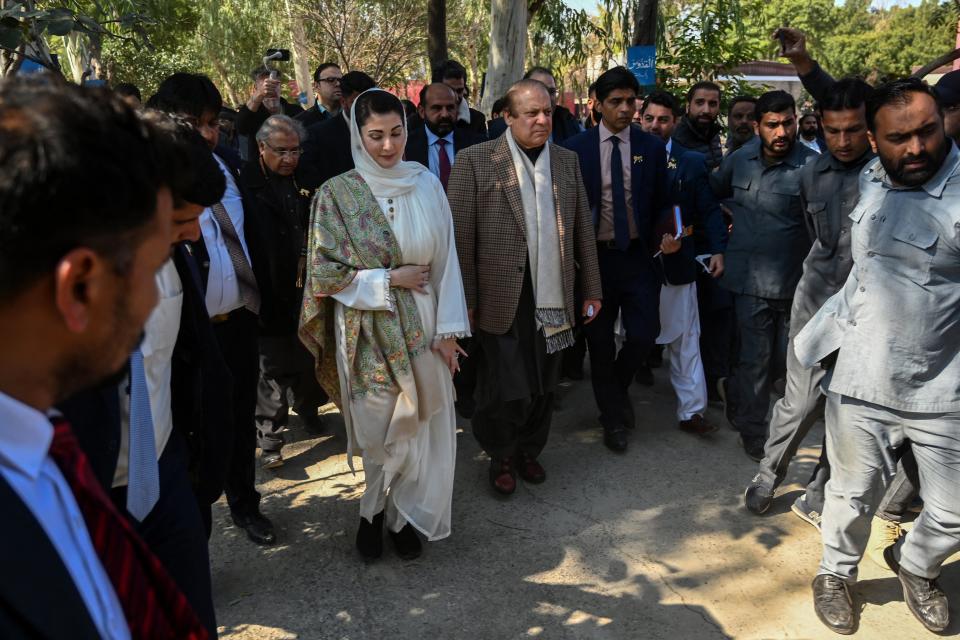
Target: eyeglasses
point(552, 91)
point(285, 153)
point(331, 80)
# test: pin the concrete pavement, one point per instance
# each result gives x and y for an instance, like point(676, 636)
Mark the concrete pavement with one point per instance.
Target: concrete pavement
point(652, 544)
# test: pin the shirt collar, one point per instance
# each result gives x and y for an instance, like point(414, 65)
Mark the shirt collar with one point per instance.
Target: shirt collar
point(669, 147)
point(793, 158)
point(606, 134)
point(25, 436)
point(935, 185)
point(827, 162)
point(432, 137)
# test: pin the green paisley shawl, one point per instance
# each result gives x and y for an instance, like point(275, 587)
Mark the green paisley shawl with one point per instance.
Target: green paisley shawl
point(348, 233)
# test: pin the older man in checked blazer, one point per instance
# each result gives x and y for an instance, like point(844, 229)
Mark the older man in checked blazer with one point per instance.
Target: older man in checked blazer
point(525, 241)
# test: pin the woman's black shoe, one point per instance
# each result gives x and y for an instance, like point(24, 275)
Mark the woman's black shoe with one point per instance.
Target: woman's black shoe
point(370, 537)
point(407, 542)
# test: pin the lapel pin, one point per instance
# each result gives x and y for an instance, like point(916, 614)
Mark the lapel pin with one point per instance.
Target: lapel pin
point(637, 159)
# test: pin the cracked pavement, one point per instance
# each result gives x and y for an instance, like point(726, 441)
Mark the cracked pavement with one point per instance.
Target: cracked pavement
point(649, 544)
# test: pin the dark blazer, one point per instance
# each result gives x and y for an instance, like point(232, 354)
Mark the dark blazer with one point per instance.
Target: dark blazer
point(649, 185)
point(565, 126)
point(201, 395)
point(416, 150)
point(38, 598)
point(477, 124)
point(252, 234)
point(488, 220)
point(312, 116)
point(690, 189)
point(327, 148)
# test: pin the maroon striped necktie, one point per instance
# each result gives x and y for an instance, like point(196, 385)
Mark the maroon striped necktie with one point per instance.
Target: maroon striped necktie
point(153, 605)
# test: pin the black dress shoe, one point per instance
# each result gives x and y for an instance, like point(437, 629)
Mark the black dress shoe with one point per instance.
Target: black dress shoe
point(370, 537)
point(833, 603)
point(407, 543)
point(926, 601)
point(615, 439)
point(644, 375)
point(258, 527)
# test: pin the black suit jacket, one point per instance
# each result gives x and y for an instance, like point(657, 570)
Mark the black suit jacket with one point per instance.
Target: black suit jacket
point(327, 148)
point(201, 397)
point(477, 124)
point(312, 116)
point(416, 150)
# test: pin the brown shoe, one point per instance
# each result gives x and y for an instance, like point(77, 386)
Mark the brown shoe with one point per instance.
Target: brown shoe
point(503, 477)
point(697, 425)
point(531, 470)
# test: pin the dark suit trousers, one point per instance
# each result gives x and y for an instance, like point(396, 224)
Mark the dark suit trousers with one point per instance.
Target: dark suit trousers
point(237, 337)
point(718, 330)
point(174, 531)
point(286, 368)
point(631, 289)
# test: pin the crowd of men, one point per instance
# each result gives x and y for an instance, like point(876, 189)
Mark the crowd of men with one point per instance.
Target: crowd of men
point(153, 263)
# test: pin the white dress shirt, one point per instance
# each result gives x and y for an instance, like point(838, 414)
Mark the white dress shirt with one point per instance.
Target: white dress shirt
point(223, 290)
point(810, 144)
point(605, 228)
point(433, 151)
point(160, 337)
point(26, 465)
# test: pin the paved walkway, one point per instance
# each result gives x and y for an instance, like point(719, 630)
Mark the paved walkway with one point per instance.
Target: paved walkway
point(647, 545)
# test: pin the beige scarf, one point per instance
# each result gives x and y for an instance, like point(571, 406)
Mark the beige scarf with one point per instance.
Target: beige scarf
point(543, 245)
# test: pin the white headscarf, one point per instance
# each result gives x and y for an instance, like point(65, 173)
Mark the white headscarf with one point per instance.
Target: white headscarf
point(384, 183)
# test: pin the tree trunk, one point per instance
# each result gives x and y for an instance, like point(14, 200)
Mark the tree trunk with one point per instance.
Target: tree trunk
point(644, 23)
point(436, 33)
point(508, 43)
point(301, 56)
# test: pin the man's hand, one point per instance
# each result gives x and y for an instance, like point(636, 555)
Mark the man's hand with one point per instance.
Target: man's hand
point(264, 91)
point(794, 48)
point(716, 265)
point(669, 244)
point(587, 305)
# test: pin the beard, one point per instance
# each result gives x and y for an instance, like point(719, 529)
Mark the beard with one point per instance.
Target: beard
point(914, 177)
point(441, 127)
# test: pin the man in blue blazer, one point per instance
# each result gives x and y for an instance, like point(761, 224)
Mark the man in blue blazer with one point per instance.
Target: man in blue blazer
point(625, 175)
point(700, 225)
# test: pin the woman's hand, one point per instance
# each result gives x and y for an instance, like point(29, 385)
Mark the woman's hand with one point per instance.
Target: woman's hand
point(412, 276)
point(450, 351)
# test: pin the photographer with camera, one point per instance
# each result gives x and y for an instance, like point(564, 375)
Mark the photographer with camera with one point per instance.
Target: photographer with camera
point(265, 101)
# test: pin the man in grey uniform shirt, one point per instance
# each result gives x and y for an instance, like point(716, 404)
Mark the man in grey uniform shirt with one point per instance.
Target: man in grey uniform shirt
point(764, 258)
point(829, 189)
point(891, 339)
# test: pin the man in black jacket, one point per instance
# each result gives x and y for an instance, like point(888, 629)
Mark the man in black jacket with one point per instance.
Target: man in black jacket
point(280, 190)
point(326, 85)
point(435, 142)
point(454, 75)
point(698, 130)
point(327, 147)
point(265, 100)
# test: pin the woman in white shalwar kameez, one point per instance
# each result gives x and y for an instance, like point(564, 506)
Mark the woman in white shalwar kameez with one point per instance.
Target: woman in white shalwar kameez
point(384, 297)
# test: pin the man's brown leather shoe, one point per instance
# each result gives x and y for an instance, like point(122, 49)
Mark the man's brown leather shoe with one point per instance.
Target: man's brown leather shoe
point(503, 477)
point(697, 425)
point(531, 470)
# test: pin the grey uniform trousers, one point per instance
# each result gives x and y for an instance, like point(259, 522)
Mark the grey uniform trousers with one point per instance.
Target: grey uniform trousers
point(864, 439)
point(801, 406)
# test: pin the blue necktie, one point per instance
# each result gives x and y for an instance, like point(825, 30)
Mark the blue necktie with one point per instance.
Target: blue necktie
point(143, 487)
point(621, 227)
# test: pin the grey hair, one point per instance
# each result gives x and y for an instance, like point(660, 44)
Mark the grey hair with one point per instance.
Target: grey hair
point(282, 123)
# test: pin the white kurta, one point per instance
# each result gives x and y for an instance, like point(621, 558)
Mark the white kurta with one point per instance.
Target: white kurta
point(413, 481)
point(680, 333)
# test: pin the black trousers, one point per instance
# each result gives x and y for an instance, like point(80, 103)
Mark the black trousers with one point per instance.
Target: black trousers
point(631, 289)
point(286, 368)
point(237, 337)
point(718, 330)
point(175, 532)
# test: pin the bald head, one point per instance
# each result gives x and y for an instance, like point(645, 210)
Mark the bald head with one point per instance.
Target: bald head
point(438, 108)
point(529, 113)
point(522, 88)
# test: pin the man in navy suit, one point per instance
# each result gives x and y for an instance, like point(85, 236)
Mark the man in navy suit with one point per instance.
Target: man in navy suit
point(625, 175)
point(699, 216)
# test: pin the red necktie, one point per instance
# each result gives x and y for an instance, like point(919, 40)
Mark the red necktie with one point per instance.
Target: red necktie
point(153, 605)
point(444, 163)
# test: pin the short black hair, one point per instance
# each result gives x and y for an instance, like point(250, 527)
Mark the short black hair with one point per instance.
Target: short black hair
point(78, 168)
point(128, 89)
point(592, 88)
point(846, 93)
point(613, 79)
point(738, 99)
point(541, 70)
point(191, 94)
point(425, 89)
point(898, 92)
point(663, 99)
point(191, 171)
point(377, 102)
point(703, 85)
point(449, 69)
point(774, 102)
point(355, 82)
point(323, 67)
point(499, 105)
point(264, 71)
